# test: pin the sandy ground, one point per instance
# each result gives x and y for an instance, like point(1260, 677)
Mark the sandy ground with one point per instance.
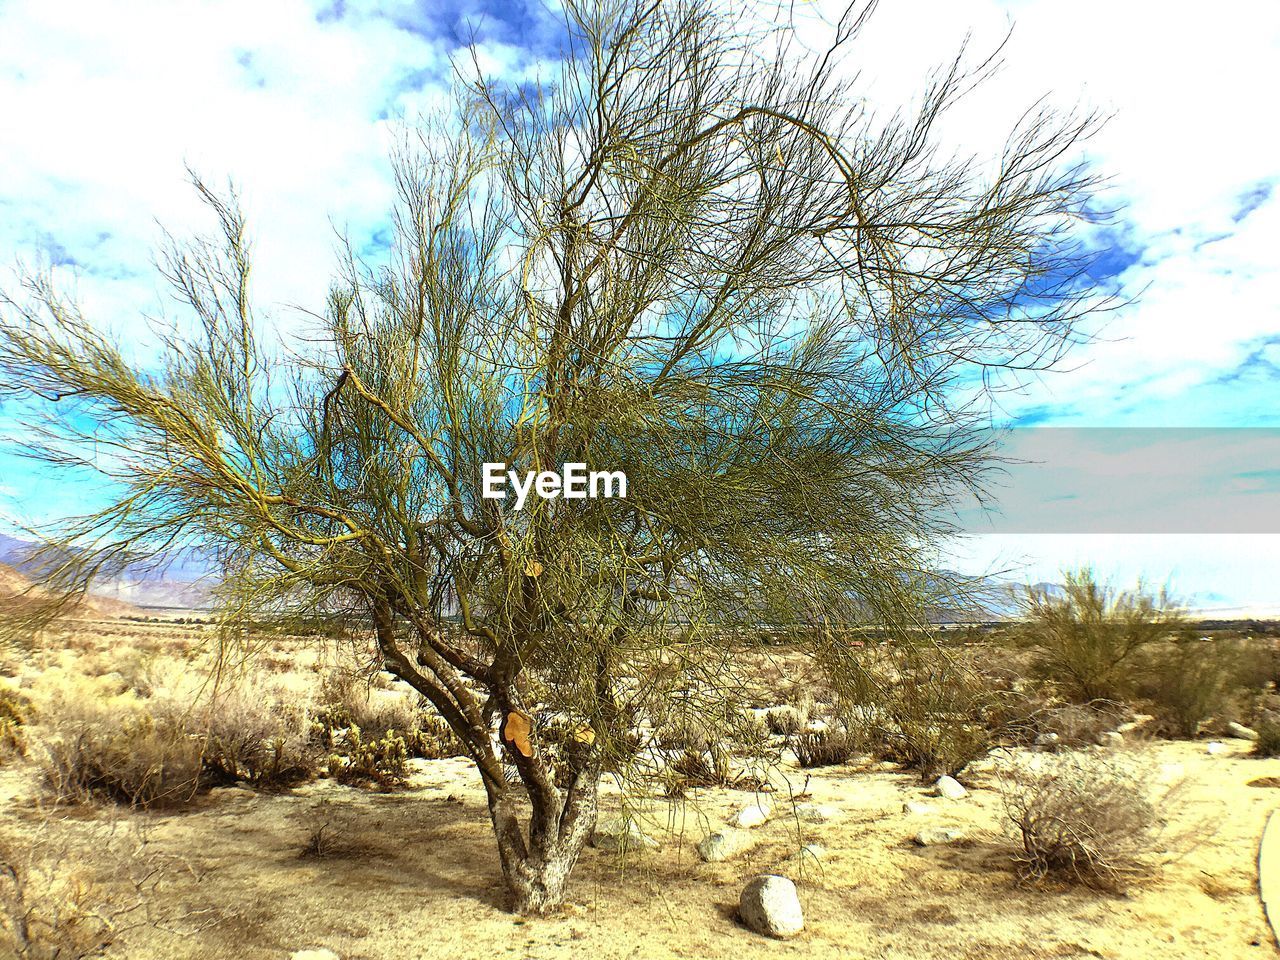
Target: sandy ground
point(420, 878)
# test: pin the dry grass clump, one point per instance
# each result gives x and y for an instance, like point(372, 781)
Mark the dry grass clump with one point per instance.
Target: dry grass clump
point(15, 714)
point(824, 748)
point(1086, 818)
point(133, 751)
point(254, 737)
point(53, 908)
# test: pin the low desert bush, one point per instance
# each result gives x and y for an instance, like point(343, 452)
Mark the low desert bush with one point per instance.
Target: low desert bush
point(132, 751)
point(1268, 742)
point(1084, 817)
point(15, 714)
point(1187, 682)
point(824, 748)
point(1088, 636)
point(255, 737)
point(936, 713)
point(326, 831)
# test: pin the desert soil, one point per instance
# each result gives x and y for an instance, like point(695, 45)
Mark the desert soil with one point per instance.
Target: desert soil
point(416, 875)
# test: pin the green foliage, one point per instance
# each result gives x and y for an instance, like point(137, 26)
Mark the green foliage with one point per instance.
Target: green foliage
point(1088, 638)
point(1186, 681)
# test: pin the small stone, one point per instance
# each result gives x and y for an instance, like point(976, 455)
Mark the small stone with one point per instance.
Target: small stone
point(1111, 738)
point(810, 853)
point(815, 812)
point(321, 954)
point(617, 835)
point(754, 814)
point(1215, 748)
point(916, 808)
point(723, 845)
point(949, 788)
point(937, 836)
point(770, 905)
point(1240, 731)
point(1049, 741)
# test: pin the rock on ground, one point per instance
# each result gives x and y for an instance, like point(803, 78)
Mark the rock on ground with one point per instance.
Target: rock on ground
point(322, 954)
point(816, 812)
point(618, 834)
point(770, 905)
point(936, 836)
point(1111, 738)
point(754, 814)
point(1215, 748)
point(723, 845)
point(916, 808)
point(1240, 731)
point(949, 788)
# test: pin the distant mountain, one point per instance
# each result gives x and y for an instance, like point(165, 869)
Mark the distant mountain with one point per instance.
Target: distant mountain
point(180, 579)
point(17, 589)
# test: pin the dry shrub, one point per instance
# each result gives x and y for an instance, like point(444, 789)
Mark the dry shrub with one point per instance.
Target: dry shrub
point(1268, 742)
point(141, 753)
point(255, 737)
point(937, 714)
point(1079, 724)
point(1186, 681)
point(712, 767)
point(785, 721)
point(1085, 817)
point(824, 748)
point(15, 714)
point(53, 908)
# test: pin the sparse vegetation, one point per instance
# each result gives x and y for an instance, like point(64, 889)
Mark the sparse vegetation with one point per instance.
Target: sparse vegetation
point(1268, 742)
point(134, 752)
point(1084, 818)
point(824, 748)
point(1088, 637)
point(1187, 682)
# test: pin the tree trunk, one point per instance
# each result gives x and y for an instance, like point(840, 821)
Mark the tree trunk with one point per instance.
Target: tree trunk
point(537, 872)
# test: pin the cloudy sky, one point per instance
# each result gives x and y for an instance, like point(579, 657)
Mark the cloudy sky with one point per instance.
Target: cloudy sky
point(102, 106)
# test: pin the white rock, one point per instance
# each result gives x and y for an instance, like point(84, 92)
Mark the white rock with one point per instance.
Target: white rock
point(916, 808)
point(617, 835)
point(1048, 740)
point(949, 788)
point(321, 954)
point(1111, 738)
point(770, 905)
point(1242, 732)
point(723, 845)
point(1215, 748)
point(754, 814)
point(816, 812)
point(935, 836)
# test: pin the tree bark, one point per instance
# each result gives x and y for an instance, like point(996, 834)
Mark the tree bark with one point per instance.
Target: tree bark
point(537, 872)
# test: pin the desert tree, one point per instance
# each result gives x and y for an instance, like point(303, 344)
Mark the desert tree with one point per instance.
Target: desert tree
point(1089, 635)
point(693, 254)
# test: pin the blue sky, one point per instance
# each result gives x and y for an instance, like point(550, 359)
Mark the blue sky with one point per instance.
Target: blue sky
point(101, 105)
